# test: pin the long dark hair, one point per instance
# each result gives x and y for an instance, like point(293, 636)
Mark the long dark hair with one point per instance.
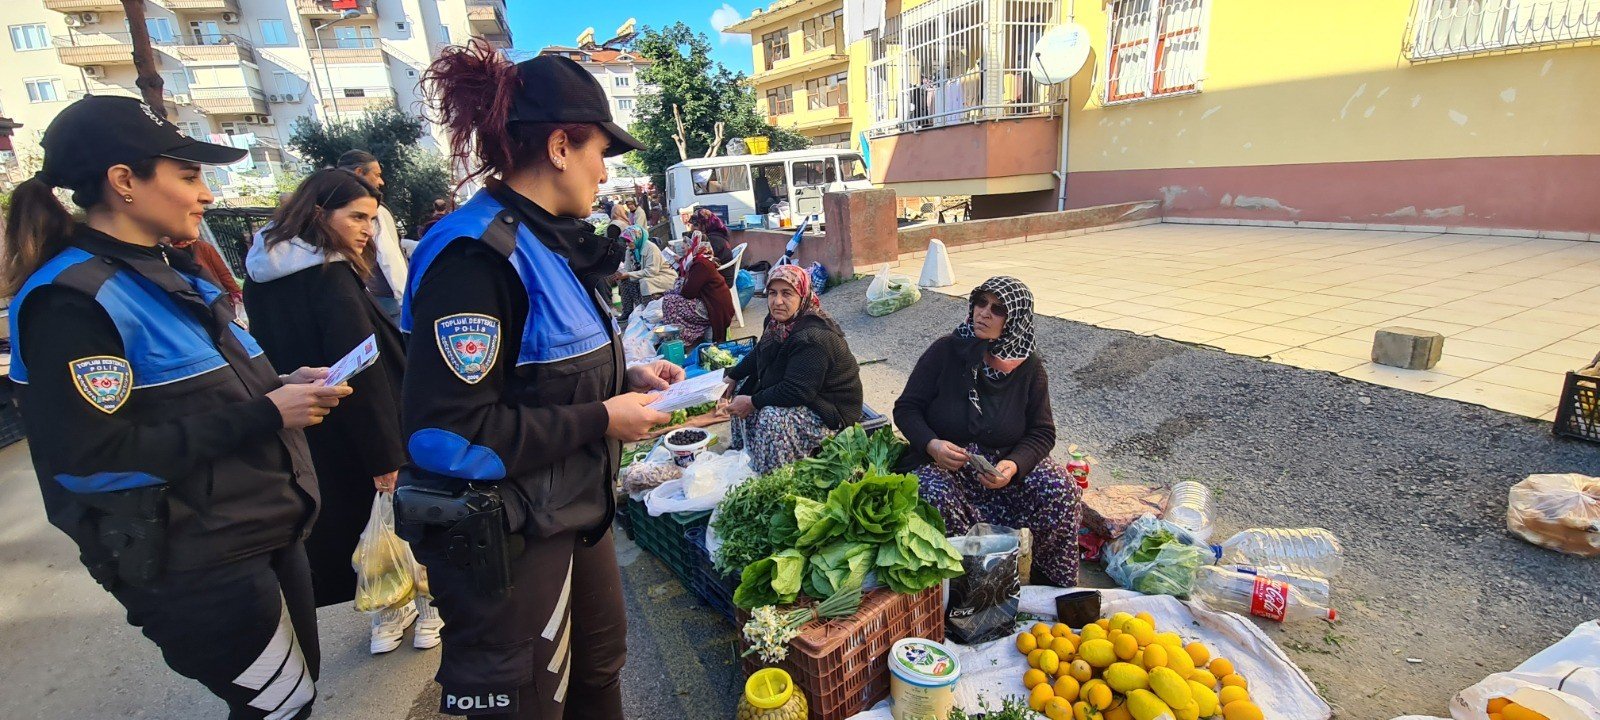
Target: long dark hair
point(38, 225)
point(472, 88)
point(305, 216)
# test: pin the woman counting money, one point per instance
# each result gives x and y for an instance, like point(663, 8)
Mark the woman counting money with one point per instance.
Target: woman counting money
point(516, 398)
point(165, 445)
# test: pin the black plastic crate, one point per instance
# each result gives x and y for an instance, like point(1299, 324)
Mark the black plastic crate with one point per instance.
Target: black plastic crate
point(713, 588)
point(1578, 415)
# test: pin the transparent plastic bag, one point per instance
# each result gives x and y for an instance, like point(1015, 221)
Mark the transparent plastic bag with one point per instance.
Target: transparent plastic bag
point(1560, 512)
point(1155, 557)
point(703, 485)
point(636, 344)
point(983, 600)
point(889, 293)
point(382, 561)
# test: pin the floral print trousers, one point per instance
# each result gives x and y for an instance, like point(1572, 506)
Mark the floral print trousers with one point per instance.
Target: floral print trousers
point(1047, 502)
point(777, 436)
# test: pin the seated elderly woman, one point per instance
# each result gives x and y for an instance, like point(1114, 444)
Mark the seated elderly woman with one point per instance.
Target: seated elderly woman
point(800, 384)
point(976, 410)
point(700, 303)
point(645, 273)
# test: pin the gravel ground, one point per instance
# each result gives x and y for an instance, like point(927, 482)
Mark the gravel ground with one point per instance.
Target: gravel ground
point(1414, 486)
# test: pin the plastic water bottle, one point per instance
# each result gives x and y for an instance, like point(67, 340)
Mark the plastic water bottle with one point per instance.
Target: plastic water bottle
point(1257, 595)
point(1189, 507)
point(1315, 589)
point(1307, 551)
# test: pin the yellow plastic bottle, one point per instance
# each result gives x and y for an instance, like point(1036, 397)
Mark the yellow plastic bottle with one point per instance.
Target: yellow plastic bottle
point(770, 694)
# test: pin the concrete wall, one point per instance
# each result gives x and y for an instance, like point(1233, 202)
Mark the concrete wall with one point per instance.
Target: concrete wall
point(1027, 228)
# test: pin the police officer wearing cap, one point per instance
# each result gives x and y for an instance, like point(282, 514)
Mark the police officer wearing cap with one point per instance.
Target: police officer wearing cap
point(165, 445)
point(517, 397)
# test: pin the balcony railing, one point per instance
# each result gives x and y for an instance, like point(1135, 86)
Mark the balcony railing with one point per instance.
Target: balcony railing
point(211, 47)
point(949, 62)
point(80, 49)
point(75, 6)
point(343, 55)
point(235, 100)
point(201, 5)
point(334, 8)
point(1448, 28)
point(369, 98)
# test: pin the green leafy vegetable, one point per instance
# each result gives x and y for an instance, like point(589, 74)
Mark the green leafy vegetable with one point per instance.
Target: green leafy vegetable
point(919, 558)
point(775, 580)
point(838, 567)
point(743, 519)
point(875, 507)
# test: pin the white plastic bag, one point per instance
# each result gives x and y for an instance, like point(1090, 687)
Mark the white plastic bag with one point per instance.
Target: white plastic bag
point(636, 345)
point(1560, 512)
point(713, 475)
point(889, 293)
point(936, 270)
point(382, 561)
point(652, 313)
point(1572, 665)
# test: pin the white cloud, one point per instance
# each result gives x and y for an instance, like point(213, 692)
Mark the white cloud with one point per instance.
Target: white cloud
point(725, 16)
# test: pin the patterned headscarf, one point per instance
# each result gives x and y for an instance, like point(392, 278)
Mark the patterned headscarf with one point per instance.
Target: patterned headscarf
point(800, 279)
point(1015, 343)
point(694, 248)
point(636, 236)
point(710, 222)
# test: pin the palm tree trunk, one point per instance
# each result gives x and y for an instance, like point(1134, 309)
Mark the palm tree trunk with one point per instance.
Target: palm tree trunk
point(144, 58)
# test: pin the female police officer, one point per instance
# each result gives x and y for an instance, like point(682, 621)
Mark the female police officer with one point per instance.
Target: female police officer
point(164, 443)
point(514, 398)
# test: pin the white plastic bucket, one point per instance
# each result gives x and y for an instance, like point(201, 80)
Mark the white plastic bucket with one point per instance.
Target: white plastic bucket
point(922, 679)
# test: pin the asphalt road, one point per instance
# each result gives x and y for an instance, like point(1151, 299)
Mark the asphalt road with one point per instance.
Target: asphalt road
point(1415, 486)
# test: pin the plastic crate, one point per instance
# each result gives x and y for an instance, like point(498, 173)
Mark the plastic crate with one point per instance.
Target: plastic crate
point(872, 420)
point(843, 665)
point(10, 419)
point(663, 537)
point(713, 588)
point(1578, 415)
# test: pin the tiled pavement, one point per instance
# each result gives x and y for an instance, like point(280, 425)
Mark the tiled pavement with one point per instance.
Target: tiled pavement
point(1517, 313)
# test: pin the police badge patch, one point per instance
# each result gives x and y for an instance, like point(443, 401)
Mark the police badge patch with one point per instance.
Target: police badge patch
point(103, 380)
point(469, 343)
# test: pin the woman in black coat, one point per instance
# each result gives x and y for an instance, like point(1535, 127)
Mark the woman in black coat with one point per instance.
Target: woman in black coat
point(800, 384)
point(308, 306)
point(976, 411)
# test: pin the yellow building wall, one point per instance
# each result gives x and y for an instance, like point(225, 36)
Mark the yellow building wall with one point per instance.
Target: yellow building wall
point(820, 118)
point(1310, 82)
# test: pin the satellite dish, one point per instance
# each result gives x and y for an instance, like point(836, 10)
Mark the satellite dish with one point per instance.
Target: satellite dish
point(1059, 54)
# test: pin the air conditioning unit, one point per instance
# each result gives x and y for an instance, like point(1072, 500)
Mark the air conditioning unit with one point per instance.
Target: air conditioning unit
point(182, 99)
point(231, 18)
point(88, 18)
point(274, 98)
point(268, 120)
point(94, 71)
point(73, 21)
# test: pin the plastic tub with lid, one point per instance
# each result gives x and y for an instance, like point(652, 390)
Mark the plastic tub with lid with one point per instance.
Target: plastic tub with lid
point(922, 680)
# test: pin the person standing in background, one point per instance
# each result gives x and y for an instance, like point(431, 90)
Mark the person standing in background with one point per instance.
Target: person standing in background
point(309, 305)
point(441, 208)
point(638, 215)
point(388, 279)
point(620, 214)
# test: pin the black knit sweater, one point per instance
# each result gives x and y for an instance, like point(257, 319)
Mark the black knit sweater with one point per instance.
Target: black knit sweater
point(813, 368)
point(1016, 421)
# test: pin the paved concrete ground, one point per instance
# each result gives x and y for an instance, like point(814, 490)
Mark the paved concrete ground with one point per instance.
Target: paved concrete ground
point(1518, 313)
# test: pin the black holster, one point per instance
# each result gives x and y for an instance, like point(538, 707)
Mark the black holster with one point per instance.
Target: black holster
point(130, 527)
point(472, 523)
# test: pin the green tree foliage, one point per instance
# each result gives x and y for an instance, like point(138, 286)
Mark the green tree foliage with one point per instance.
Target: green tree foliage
point(413, 177)
point(682, 73)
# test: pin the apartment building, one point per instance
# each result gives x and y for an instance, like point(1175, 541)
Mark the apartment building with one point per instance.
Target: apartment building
point(1416, 113)
point(801, 68)
point(235, 71)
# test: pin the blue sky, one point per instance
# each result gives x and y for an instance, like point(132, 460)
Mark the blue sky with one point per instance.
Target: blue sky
point(537, 23)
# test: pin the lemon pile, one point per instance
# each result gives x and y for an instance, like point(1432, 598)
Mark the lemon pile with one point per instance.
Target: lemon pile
point(1121, 668)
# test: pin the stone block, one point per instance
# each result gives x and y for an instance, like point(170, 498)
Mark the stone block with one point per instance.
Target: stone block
point(1408, 348)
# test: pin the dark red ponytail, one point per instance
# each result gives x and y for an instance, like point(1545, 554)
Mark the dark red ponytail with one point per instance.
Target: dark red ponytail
point(472, 88)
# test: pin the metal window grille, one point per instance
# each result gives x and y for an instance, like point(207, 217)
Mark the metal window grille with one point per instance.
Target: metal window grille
point(948, 62)
point(1447, 28)
point(1155, 48)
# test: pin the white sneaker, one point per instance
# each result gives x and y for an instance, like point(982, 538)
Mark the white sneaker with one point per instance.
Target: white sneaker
point(389, 627)
point(428, 625)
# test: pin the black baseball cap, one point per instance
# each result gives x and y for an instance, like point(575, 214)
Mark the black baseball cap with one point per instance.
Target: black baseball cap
point(556, 89)
point(100, 131)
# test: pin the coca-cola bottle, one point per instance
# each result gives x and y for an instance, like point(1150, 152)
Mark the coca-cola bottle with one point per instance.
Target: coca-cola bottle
point(1257, 595)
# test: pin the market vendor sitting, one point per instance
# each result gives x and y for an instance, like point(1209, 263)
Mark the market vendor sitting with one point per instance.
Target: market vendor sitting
point(982, 392)
point(700, 303)
point(800, 384)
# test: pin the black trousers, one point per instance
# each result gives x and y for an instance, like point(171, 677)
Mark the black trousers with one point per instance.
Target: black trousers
point(246, 630)
point(550, 648)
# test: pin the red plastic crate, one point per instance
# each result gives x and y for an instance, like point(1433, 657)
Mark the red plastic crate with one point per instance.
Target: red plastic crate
point(843, 665)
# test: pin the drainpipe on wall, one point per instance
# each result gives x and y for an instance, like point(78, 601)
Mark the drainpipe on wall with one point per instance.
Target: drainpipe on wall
point(1066, 97)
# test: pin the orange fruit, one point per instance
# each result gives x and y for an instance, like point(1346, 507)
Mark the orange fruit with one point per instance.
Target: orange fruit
point(1027, 643)
point(1220, 667)
point(1033, 678)
point(1125, 646)
point(1231, 693)
point(1066, 688)
point(1038, 628)
point(1498, 704)
point(1198, 653)
point(1235, 680)
point(1064, 649)
point(1241, 710)
point(1040, 695)
point(1155, 655)
point(1033, 657)
point(1057, 709)
point(1060, 630)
